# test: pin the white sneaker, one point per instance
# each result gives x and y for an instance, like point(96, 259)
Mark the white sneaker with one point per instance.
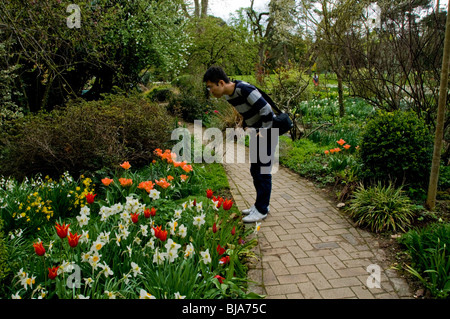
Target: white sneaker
point(255, 216)
point(248, 210)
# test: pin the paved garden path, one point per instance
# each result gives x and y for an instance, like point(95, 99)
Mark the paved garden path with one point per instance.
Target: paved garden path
point(307, 248)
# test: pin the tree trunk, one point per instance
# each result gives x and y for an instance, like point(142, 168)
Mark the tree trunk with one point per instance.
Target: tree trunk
point(204, 11)
point(439, 135)
point(340, 95)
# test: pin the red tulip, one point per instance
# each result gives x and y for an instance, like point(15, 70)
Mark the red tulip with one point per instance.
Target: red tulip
point(227, 204)
point(135, 217)
point(73, 239)
point(62, 230)
point(53, 272)
point(39, 248)
point(224, 260)
point(220, 250)
point(149, 212)
point(214, 228)
point(233, 231)
point(219, 278)
point(163, 235)
point(209, 193)
point(90, 198)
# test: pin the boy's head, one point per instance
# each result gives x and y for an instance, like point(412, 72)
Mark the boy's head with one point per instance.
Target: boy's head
point(216, 81)
point(215, 74)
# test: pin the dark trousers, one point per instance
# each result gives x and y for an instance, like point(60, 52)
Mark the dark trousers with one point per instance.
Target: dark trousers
point(262, 152)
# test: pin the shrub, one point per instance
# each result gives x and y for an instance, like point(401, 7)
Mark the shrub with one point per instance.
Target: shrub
point(84, 136)
point(429, 249)
point(397, 146)
point(381, 208)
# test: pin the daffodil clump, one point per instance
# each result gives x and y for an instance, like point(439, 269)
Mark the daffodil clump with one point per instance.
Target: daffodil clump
point(135, 237)
point(32, 203)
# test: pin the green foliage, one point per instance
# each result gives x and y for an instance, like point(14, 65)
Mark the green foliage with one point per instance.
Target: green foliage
point(4, 268)
point(381, 208)
point(115, 42)
point(429, 249)
point(397, 146)
point(84, 136)
point(216, 43)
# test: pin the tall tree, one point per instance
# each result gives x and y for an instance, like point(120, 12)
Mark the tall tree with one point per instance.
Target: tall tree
point(443, 92)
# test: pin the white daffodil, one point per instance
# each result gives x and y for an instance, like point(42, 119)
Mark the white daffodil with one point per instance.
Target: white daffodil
point(144, 230)
point(189, 251)
point(177, 214)
point(83, 220)
point(182, 231)
point(106, 270)
point(179, 296)
point(154, 194)
point(199, 220)
point(206, 257)
point(257, 228)
point(145, 295)
point(16, 296)
point(110, 294)
point(172, 245)
point(158, 257)
point(88, 281)
point(173, 225)
point(172, 255)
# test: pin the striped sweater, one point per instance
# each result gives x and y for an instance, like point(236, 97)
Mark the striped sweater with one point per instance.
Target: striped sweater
point(248, 101)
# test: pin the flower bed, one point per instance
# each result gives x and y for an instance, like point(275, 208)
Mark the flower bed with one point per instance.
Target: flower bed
point(138, 238)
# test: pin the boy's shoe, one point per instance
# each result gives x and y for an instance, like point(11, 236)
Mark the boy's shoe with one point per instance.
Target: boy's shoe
point(255, 216)
point(249, 210)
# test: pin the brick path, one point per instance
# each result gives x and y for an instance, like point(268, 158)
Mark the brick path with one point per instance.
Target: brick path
point(308, 249)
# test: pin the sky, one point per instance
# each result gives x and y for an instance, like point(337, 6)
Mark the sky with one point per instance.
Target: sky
point(223, 8)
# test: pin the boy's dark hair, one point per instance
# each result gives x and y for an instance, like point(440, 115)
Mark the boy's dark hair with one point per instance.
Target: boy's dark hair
point(214, 74)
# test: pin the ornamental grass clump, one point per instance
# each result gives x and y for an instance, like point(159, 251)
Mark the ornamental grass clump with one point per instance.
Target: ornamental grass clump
point(381, 208)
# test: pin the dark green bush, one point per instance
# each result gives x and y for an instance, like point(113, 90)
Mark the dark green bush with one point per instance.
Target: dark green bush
point(84, 136)
point(397, 146)
point(191, 103)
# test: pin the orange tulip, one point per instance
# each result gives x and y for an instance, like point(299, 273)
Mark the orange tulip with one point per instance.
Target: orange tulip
point(347, 146)
point(125, 182)
point(125, 165)
point(148, 186)
point(107, 181)
point(341, 142)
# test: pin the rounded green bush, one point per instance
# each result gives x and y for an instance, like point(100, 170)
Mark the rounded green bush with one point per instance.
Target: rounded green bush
point(397, 146)
point(381, 208)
